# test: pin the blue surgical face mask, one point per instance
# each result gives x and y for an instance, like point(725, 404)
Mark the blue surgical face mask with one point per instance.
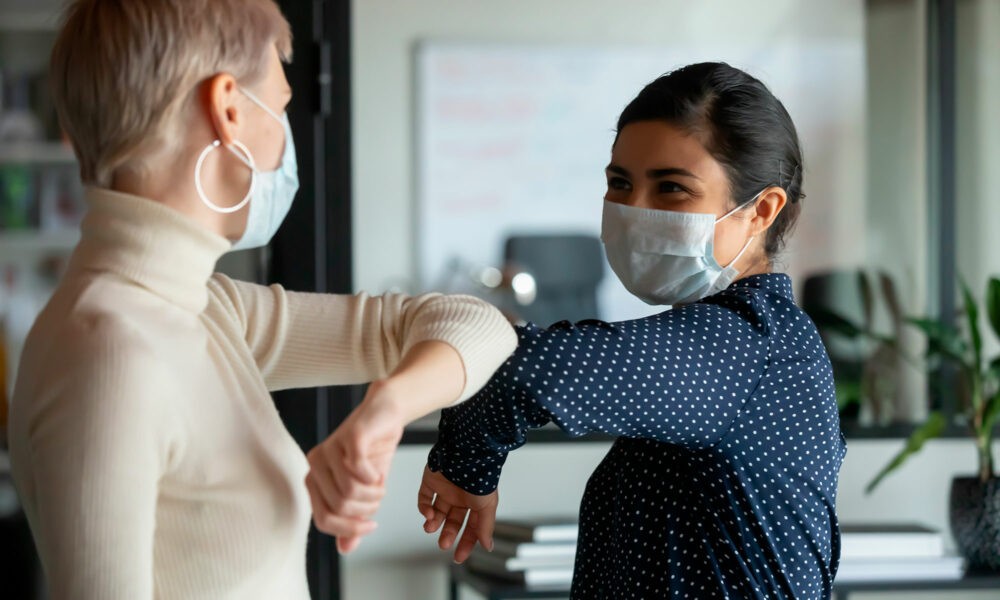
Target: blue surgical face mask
point(666, 257)
point(271, 192)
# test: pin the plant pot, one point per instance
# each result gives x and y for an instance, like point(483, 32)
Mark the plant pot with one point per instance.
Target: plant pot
point(974, 512)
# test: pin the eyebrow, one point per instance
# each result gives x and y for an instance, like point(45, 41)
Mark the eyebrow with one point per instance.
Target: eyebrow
point(654, 173)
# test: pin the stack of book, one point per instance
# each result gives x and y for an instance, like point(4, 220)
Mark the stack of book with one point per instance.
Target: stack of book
point(894, 552)
point(536, 553)
point(539, 553)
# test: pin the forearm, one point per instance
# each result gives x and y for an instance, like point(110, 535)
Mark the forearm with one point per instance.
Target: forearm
point(476, 436)
point(430, 376)
point(305, 339)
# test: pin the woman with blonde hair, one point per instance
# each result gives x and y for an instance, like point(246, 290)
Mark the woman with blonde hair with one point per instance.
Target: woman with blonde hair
point(148, 454)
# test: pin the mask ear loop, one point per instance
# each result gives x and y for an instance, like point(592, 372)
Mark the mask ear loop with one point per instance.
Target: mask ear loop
point(745, 247)
point(740, 207)
point(725, 216)
point(261, 104)
point(248, 161)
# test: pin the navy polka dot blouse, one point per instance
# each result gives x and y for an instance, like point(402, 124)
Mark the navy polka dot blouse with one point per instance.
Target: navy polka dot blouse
point(722, 482)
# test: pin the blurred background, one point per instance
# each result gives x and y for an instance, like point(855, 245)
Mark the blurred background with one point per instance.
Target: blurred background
point(460, 146)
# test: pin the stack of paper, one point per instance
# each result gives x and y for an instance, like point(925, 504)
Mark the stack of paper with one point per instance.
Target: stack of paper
point(894, 552)
point(537, 553)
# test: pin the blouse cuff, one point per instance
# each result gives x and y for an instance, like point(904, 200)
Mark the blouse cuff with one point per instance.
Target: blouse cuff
point(471, 465)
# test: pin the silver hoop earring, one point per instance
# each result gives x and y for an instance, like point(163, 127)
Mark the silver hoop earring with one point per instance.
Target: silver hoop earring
point(248, 161)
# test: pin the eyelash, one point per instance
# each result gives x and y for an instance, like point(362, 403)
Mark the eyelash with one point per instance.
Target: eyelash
point(665, 187)
point(618, 183)
point(678, 187)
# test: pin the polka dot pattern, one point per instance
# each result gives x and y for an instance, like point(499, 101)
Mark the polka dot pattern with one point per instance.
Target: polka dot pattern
point(722, 482)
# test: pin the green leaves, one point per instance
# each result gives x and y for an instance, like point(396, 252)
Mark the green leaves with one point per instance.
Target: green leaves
point(993, 304)
point(972, 322)
point(961, 345)
point(942, 340)
point(993, 372)
point(991, 414)
point(932, 428)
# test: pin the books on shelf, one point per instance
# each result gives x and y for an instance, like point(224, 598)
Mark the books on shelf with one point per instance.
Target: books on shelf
point(537, 530)
point(555, 577)
point(540, 553)
point(529, 572)
point(536, 553)
point(901, 569)
point(889, 540)
point(533, 549)
point(894, 552)
point(499, 564)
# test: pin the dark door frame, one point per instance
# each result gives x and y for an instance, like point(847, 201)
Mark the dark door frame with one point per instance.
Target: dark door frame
point(312, 251)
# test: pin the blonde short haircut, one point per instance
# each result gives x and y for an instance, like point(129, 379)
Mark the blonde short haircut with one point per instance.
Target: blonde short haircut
point(123, 70)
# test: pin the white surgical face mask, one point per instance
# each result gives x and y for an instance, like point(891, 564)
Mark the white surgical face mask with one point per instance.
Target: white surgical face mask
point(271, 192)
point(666, 257)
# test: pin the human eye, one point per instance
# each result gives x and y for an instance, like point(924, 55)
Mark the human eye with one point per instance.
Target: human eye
point(670, 187)
point(616, 183)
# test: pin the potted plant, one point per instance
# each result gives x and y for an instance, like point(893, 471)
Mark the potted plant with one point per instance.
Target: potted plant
point(862, 321)
point(974, 500)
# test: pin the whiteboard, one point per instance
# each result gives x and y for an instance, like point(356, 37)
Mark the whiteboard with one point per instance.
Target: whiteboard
point(514, 138)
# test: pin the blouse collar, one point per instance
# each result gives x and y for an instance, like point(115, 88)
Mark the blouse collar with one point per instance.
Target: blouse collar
point(772, 283)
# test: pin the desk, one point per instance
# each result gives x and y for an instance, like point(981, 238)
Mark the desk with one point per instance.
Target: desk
point(498, 589)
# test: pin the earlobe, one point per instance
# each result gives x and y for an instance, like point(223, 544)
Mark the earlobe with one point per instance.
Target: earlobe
point(221, 91)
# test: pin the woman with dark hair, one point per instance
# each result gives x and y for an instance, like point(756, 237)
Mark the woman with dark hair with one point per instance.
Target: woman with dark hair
point(722, 482)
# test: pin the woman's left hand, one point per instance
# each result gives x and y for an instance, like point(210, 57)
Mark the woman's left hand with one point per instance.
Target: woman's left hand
point(348, 470)
point(441, 502)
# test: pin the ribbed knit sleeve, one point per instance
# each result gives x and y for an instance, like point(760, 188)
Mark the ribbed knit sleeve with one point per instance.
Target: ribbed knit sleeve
point(308, 339)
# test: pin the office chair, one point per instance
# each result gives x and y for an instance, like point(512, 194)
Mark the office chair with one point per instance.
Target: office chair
point(567, 270)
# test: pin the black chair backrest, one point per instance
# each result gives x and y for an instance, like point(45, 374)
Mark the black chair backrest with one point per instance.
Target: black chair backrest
point(567, 270)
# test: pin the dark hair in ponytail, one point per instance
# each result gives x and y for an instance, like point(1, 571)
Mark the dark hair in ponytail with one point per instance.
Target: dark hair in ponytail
point(740, 123)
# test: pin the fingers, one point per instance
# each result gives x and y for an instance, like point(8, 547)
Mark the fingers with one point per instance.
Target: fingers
point(452, 525)
point(342, 494)
point(346, 545)
point(425, 503)
point(351, 458)
point(332, 524)
point(468, 540)
point(362, 467)
point(486, 519)
point(441, 508)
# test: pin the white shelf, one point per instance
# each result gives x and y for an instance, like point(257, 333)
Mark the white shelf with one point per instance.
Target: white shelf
point(20, 245)
point(36, 153)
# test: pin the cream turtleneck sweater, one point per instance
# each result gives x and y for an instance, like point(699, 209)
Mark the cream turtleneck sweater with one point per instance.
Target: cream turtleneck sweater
point(145, 446)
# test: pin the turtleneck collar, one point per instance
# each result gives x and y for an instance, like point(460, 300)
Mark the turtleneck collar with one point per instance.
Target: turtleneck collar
point(150, 245)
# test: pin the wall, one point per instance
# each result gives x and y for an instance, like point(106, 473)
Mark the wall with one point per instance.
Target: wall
point(386, 31)
point(978, 146)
